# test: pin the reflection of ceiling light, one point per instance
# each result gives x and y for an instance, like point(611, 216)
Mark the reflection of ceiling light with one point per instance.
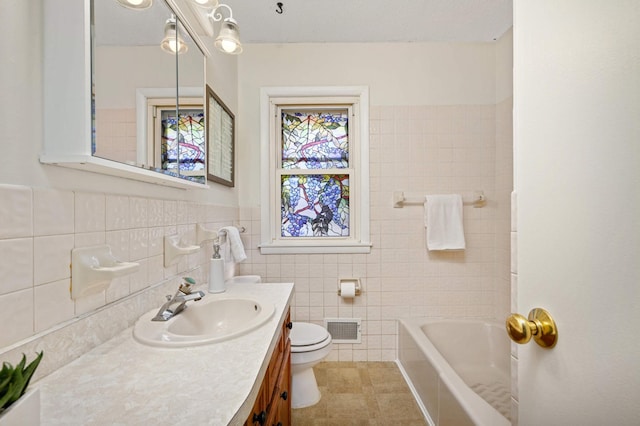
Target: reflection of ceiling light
point(172, 42)
point(206, 3)
point(228, 39)
point(135, 4)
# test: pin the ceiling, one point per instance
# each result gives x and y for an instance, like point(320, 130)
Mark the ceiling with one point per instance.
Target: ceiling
point(316, 21)
point(322, 21)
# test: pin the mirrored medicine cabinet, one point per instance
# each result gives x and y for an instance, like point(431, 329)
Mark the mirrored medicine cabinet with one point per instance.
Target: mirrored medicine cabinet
point(118, 103)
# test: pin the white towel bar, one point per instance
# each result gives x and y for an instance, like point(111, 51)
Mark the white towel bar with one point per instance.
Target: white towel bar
point(399, 200)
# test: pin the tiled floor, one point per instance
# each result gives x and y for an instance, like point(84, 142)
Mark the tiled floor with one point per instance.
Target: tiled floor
point(362, 394)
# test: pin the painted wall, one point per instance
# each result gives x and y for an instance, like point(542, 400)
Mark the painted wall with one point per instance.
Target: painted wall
point(439, 124)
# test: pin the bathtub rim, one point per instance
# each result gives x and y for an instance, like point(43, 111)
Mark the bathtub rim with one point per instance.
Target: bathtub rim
point(478, 410)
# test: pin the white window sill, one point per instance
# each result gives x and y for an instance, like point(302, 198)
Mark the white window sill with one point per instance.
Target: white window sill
point(311, 248)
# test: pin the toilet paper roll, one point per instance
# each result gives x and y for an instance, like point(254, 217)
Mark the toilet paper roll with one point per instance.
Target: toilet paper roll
point(347, 290)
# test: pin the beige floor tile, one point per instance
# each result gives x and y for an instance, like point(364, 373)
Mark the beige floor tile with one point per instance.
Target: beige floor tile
point(360, 394)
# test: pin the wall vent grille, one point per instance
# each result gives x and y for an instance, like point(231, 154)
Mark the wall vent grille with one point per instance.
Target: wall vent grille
point(344, 330)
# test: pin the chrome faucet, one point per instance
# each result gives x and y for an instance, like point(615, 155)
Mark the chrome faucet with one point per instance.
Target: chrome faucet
point(182, 296)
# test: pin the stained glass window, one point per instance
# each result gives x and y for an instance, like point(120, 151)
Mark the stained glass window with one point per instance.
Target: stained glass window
point(183, 136)
point(315, 206)
point(315, 140)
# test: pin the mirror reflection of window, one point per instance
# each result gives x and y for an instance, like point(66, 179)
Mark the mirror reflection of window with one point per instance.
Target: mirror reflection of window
point(182, 142)
point(177, 141)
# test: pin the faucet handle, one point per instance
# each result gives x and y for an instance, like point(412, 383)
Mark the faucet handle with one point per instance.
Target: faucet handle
point(185, 287)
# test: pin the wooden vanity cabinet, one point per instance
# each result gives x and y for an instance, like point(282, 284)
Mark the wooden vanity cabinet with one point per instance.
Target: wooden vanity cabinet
point(273, 404)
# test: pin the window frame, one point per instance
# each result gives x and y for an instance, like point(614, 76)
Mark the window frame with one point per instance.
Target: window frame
point(356, 100)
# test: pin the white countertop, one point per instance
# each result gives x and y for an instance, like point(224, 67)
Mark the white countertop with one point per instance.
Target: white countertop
point(123, 382)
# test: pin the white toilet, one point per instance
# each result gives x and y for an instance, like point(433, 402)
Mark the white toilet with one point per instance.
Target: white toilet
point(310, 344)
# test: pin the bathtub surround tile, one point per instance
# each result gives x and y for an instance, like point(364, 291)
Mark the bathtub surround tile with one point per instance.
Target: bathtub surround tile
point(16, 211)
point(53, 212)
point(16, 265)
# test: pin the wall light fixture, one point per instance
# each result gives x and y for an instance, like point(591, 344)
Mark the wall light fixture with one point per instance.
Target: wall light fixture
point(228, 40)
point(172, 41)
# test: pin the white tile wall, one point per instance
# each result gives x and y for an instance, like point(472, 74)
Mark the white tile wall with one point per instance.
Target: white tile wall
point(39, 228)
point(16, 211)
point(416, 149)
point(419, 150)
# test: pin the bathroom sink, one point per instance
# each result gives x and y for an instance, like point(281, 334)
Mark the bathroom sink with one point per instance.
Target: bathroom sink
point(204, 322)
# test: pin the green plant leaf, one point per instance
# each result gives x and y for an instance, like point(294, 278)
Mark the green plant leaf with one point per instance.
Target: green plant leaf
point(14, 381)
point(4, 384)
point(5, 398)
point(17, 380)
point(22, 362)
point(6, 370)
point(31, 368)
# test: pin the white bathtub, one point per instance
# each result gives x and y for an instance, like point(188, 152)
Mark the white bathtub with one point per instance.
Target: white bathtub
point(458, 370)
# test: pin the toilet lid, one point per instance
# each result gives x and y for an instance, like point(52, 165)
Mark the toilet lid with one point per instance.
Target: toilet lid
point(305, 334)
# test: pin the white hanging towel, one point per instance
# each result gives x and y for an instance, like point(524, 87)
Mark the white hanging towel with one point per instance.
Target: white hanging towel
point(443, 220)
point(233, 243)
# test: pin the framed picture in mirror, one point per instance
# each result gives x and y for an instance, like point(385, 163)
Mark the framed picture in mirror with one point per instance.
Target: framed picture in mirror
point(220, 140)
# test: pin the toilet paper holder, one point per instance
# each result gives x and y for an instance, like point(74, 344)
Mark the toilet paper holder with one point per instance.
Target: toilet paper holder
point(354, 281)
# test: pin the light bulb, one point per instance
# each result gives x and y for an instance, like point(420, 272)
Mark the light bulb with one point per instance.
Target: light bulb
point(228, 46)
point(136, 4)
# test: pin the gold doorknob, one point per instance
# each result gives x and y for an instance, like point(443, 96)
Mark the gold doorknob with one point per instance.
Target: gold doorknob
point(540, 325)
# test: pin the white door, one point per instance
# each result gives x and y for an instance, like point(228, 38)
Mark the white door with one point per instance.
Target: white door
point(577, 179)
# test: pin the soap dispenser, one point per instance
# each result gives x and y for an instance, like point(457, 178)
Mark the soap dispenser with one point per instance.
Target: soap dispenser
point(216, 272)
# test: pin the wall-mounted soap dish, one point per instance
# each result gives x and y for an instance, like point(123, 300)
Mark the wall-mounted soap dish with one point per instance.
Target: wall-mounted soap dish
point(93, 269)
point(203, 234)
point(173, 249)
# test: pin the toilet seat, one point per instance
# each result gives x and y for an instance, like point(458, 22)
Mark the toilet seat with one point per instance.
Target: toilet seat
point(307, 337)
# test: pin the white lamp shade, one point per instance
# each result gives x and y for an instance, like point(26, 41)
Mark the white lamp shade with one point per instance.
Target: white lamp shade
point(228, 40)
point(172, 42)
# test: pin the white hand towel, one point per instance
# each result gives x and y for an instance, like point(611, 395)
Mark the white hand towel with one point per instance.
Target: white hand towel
point(443, 220)
point(233, 243)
